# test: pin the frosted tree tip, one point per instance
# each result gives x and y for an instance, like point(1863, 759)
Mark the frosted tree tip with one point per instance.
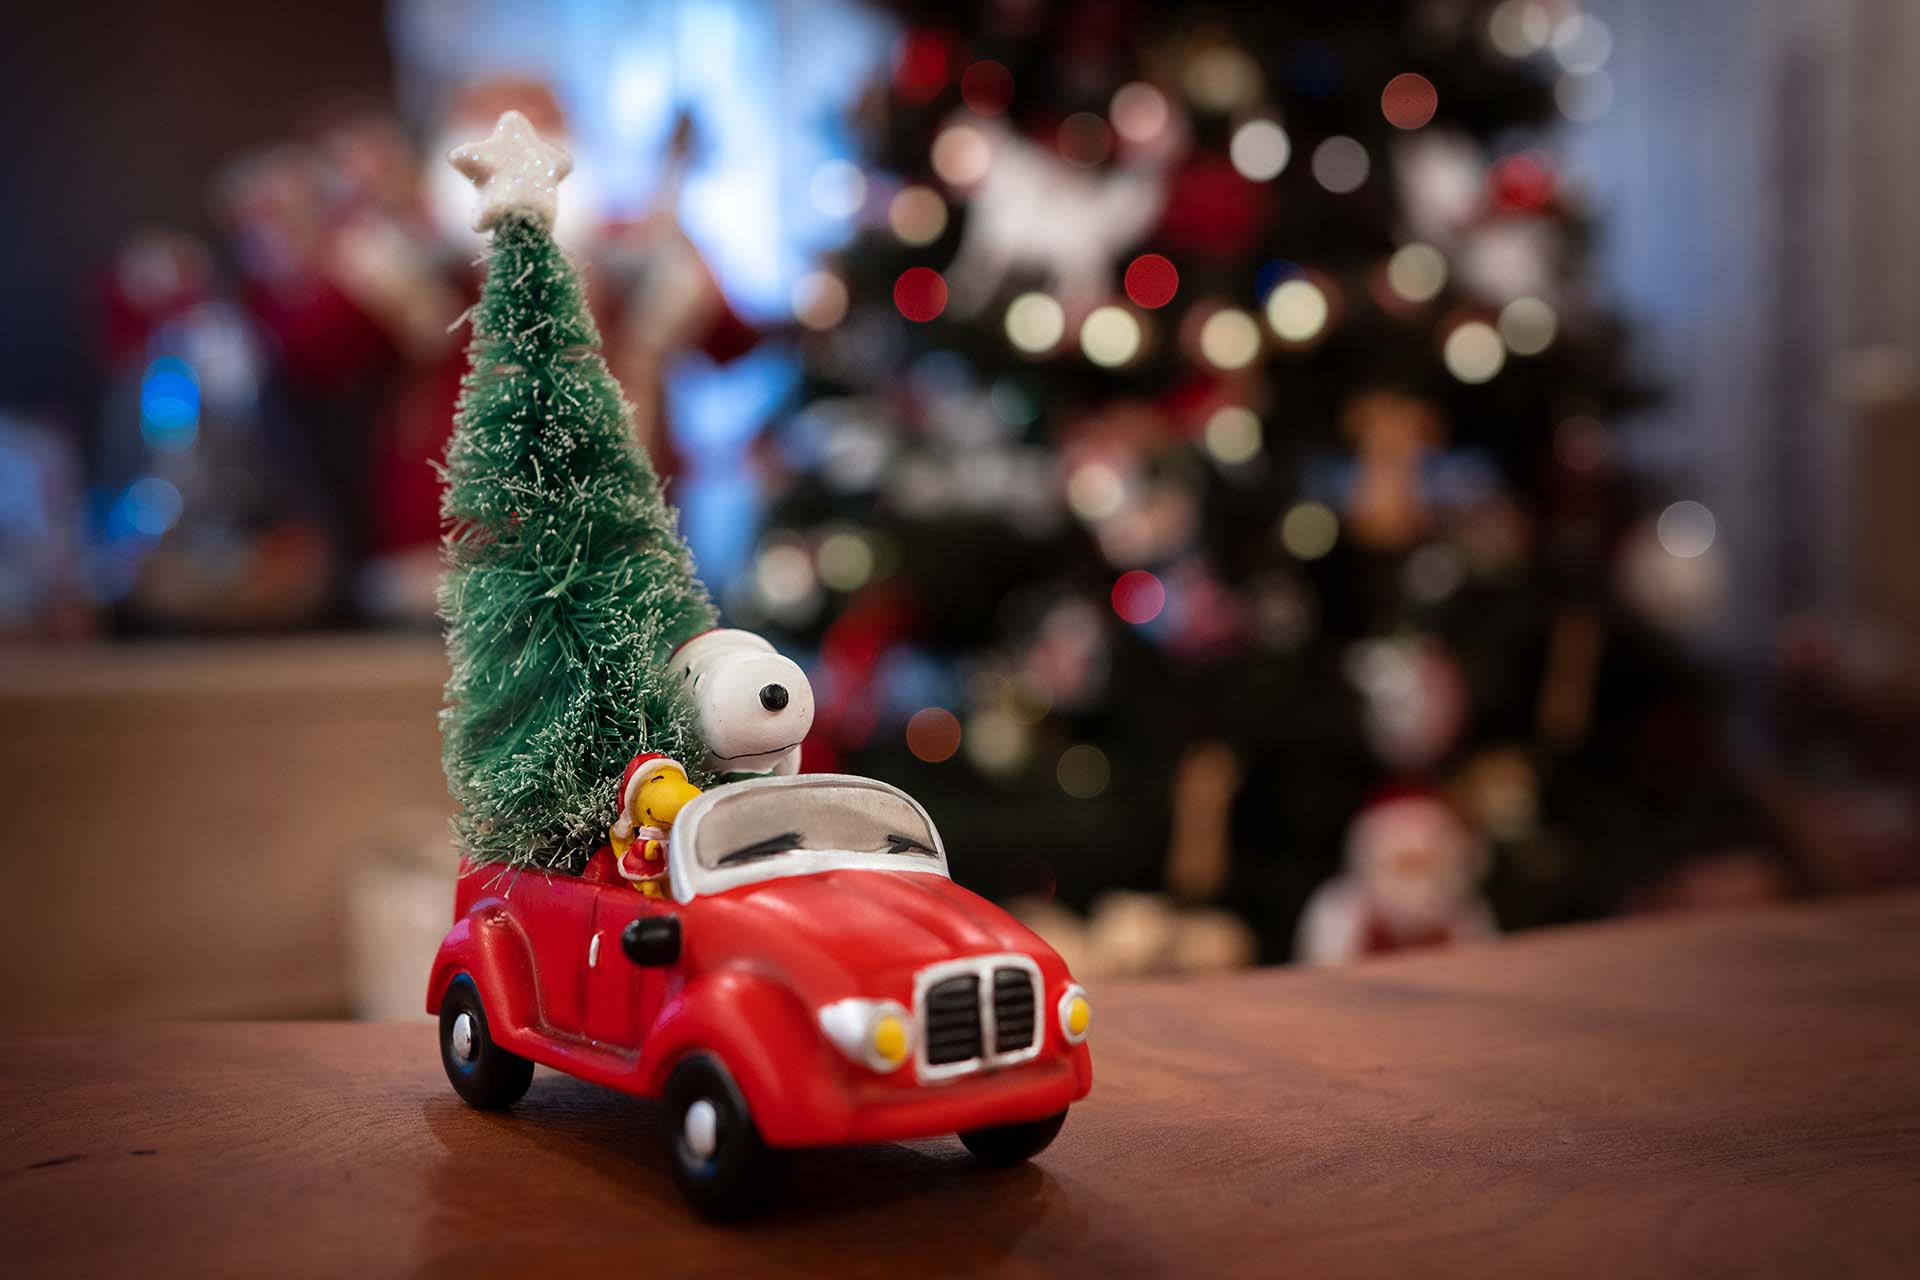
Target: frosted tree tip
point(513, 170)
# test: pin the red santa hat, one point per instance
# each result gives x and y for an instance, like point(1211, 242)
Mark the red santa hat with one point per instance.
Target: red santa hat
point(643, 766)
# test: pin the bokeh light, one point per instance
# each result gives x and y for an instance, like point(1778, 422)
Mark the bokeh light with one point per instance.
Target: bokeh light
point(1083, 771)
point(844, 560)
point(838, 188)
point(1582, 43)
point(1230, 339)
point(961, 155)
point(169, 405)
point(1309, 530)
point(1340, 164)
point(1035, 323)
point(1139, 112)
point(1417, 272)
point(1139, 596)
point(1297, 310)
point(1583, 98)
point(1519, 28)
point(1085, 139)
point(1095, 492)
point(1520, 183)
point(1580, 443)
point(920, 294)
point(1110, 336)
point(1260, 150)
point(1686, 530)
point(987, 88)
point(1222, 78)
point(1527, 326)
point(1474, 352)
point(1409, 100)
point(1151, 281)
point(819, 300)
point(1232, 434)
point(917, 215)
point(995, 742)
point(151, 505)
point(933, 734)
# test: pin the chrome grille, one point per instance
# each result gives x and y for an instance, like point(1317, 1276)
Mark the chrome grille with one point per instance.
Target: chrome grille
point(1012, 1010)
point(977, 1013)
point(953, 1020)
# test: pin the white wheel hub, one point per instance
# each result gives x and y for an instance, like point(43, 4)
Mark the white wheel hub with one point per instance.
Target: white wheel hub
point(462, 1037)
point(701, 1129)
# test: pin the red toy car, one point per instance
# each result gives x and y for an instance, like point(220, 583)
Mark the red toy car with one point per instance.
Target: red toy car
point(814, 979)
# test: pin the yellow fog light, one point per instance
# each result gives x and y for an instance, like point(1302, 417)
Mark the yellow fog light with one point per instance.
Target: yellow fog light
point(890, 1039)
point(1076, 1013)
point(877, 1034)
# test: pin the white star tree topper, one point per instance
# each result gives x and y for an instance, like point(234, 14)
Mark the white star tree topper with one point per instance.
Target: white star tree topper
point(513, 171)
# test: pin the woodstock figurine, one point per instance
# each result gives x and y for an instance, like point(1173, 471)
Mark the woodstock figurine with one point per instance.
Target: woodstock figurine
point(754, 704)
point(652, 792)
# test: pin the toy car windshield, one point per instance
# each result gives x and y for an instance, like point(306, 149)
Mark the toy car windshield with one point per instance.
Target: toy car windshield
point(758, 824)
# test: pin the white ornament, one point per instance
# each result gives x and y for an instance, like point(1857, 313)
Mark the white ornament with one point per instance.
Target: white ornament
point(755, 705)
point(514, 171)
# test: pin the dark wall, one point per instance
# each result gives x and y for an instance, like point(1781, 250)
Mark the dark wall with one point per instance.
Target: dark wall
point(116, 115)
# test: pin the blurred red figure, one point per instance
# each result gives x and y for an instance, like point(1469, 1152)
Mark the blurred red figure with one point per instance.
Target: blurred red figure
point(1411, 880)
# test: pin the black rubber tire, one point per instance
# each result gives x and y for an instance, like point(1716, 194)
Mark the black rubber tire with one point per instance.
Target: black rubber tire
point(492, 1078)
point(744, 1174)
point(1009, 1144)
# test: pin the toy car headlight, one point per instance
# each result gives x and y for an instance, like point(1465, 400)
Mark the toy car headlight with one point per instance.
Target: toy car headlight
point(1076, 1013)
point(877, 1034)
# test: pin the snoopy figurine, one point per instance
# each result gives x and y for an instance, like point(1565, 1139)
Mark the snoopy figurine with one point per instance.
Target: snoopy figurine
point(754, 705)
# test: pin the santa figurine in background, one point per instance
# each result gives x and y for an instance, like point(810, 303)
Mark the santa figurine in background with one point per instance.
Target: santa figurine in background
point(1411, 880)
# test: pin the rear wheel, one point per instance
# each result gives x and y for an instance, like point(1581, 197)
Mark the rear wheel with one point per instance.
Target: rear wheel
point(719, 1159)
point(1006, 1144)
point(481, 1072)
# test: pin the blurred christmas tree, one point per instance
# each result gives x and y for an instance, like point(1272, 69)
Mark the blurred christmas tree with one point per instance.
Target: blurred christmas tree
point(1233, 379)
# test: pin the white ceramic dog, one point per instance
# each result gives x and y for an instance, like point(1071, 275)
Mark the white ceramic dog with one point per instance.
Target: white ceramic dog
point(755, 705)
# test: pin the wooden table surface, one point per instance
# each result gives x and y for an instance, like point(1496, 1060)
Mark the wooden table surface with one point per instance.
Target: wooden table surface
point(1735, 1095)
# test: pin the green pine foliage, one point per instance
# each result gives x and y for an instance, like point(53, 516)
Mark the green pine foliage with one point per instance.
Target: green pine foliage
point(567, 583)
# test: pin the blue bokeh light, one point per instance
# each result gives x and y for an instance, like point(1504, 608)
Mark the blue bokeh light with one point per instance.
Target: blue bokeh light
point(169, 405)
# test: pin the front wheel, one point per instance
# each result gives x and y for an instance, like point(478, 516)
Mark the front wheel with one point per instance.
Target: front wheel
point(1008, 1144)
point(481, 1072)
point(719, 1159)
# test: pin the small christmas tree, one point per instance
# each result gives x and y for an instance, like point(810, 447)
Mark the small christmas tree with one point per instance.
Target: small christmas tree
point(567, 582)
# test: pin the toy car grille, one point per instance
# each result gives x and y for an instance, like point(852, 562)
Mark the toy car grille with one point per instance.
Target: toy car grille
point(953, 1020)
point(1012, 1010)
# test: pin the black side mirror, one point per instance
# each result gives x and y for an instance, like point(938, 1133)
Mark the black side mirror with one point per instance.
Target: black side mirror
point(652, 940)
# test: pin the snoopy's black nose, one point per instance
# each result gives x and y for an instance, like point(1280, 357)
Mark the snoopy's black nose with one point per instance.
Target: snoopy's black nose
point(774, 697)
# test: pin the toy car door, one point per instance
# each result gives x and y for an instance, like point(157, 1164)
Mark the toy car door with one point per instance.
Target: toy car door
point(623, 998)
point(556, 912)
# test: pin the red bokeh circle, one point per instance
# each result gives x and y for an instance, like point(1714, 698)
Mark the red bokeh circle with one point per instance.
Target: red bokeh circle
point(1152, 281)
point(920, 293)
point(1409, 100)
point(1138, 596)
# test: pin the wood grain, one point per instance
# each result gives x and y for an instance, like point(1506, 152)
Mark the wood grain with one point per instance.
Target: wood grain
point(1731, 1096)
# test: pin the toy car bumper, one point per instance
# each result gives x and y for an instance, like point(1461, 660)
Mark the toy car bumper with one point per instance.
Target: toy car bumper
point(881, 1111)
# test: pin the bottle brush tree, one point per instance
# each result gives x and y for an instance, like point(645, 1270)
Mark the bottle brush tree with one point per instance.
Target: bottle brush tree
point(567, 583)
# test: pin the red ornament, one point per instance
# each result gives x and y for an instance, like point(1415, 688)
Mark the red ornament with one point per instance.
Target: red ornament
point(1152, 281)
point(922, 69)
point(1520, 183)
point(920, 293)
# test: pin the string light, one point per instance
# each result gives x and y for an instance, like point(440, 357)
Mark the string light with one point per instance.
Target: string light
point(1686, 530)
point(1297, 310)
point(1519, 28)
point(1527, 326)
point(1260, 150)
point(1409, 100)
point(1340, 164)
point(1229, 339)
point(1083, 771)
point(917, 215)
point(1095, 492)
point(819, 300)
point(1110, 336)
point(961, 155)
point(1139, 112)
point(1232, 434)
point(1035, 323)
point(1417, 272)
point(1309, 530)
point(1474, 352)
